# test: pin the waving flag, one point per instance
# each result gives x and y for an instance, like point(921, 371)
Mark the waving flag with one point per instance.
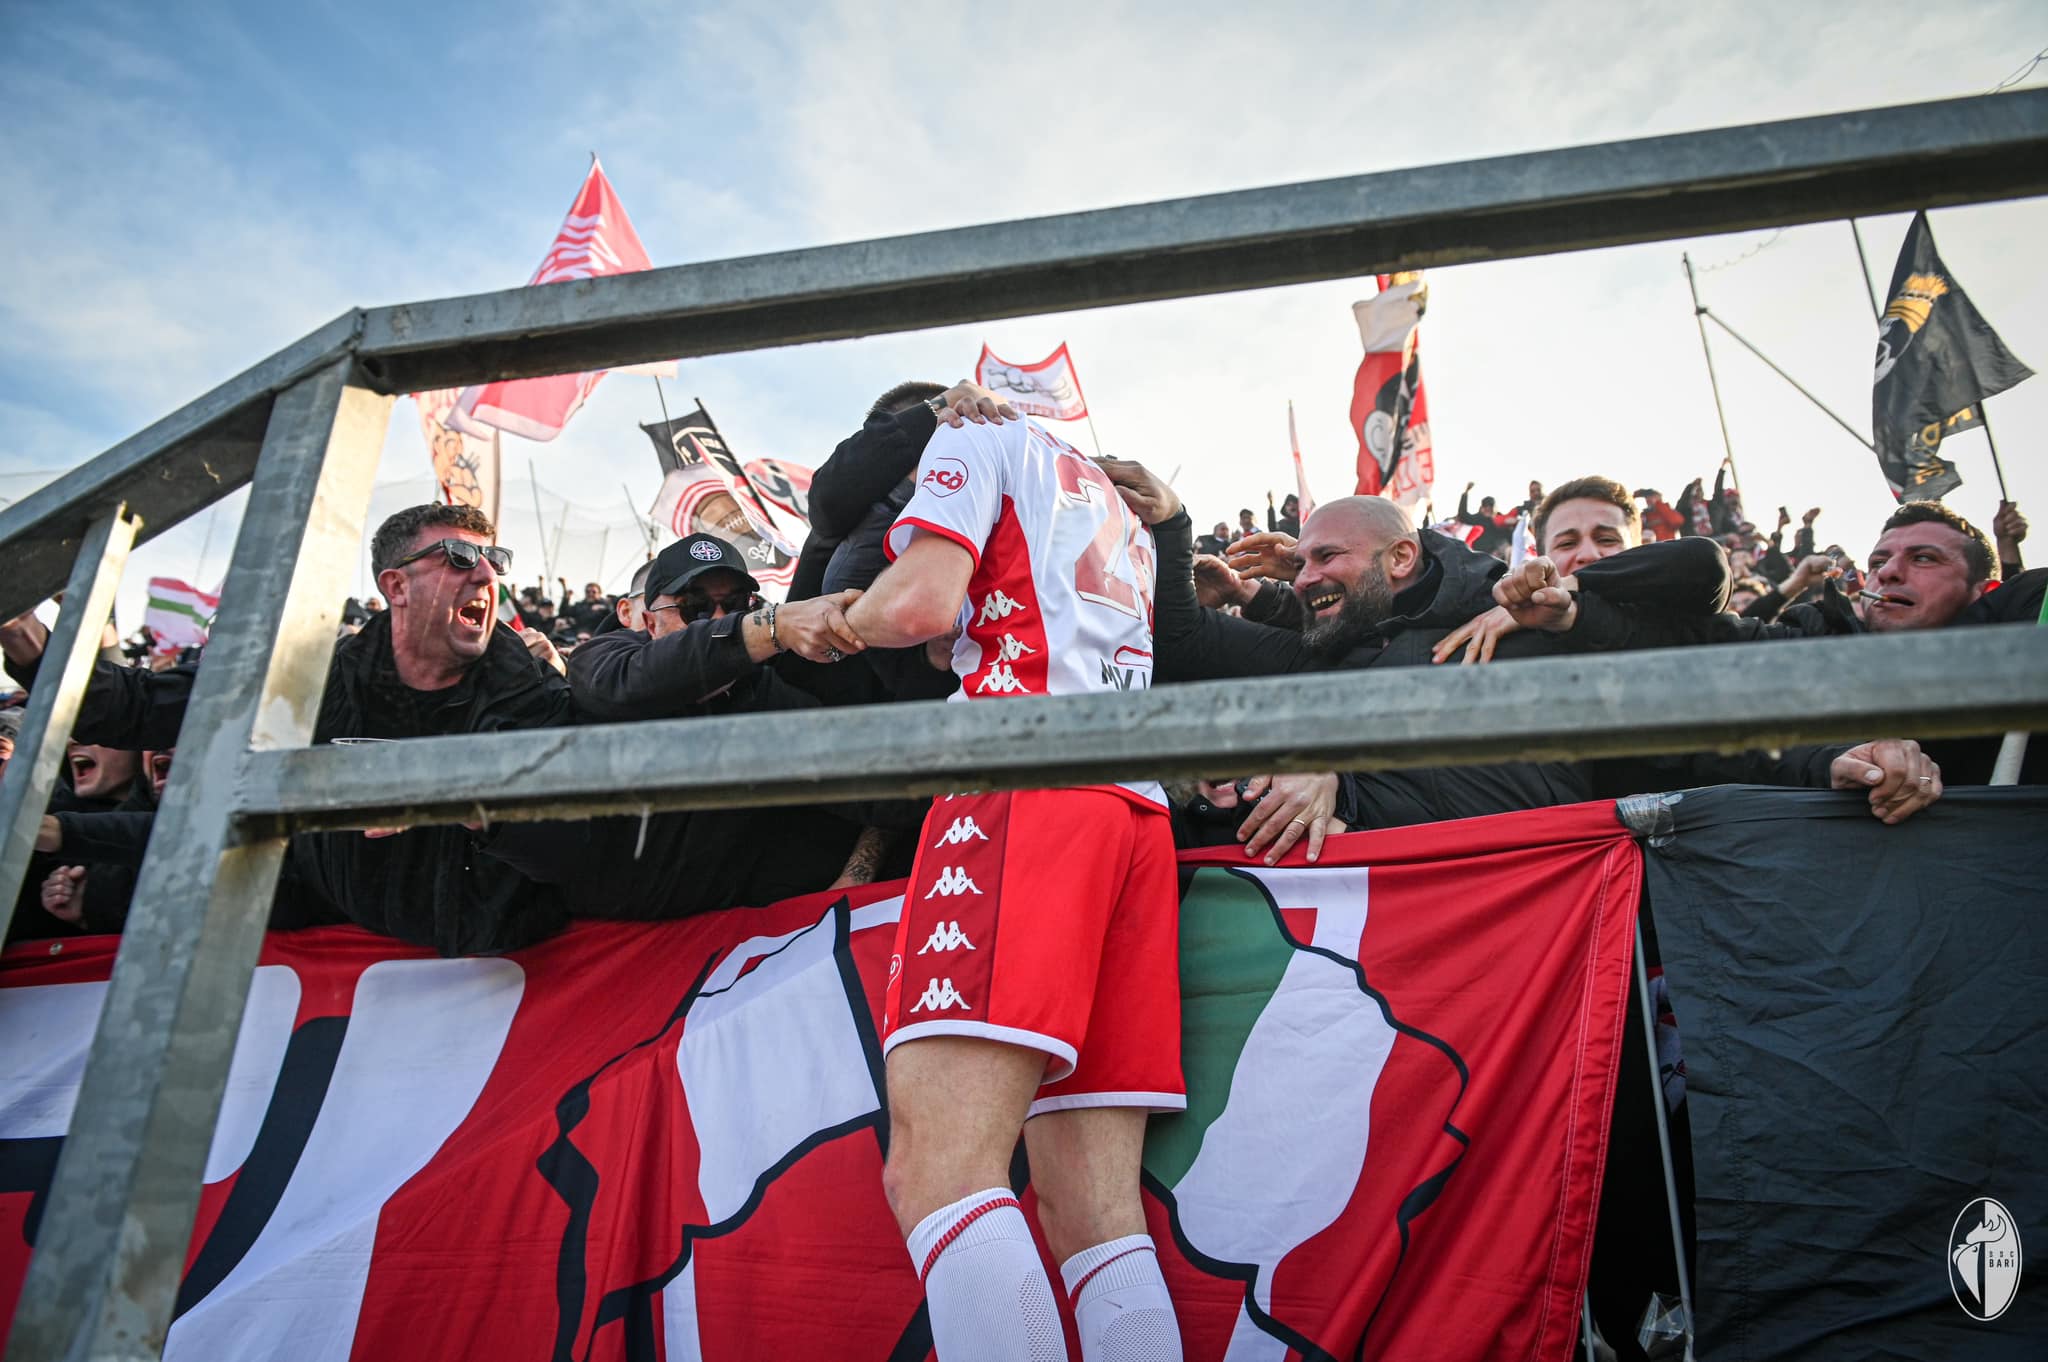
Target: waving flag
point(596, 238)
point(1304, 502)
point(707, 491)
point(178, 614)
point(1937, 359)
point(782, 484)
point(465, 463)
point(1389, 411)
point(1048, 388)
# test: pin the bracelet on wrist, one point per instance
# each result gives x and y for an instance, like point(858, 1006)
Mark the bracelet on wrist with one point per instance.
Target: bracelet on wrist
point(774, 641)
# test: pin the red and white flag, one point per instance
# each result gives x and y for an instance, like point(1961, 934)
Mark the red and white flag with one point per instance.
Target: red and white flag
point(1303, 502)
point(465, 462)
point(1048, 388)
point(596, 238)
point(178, 615)
point(698, 499)
point(784, 485)
point(1389, 413)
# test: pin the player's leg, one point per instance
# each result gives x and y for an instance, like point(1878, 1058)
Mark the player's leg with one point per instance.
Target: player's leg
point(1086, 1136)
point(955, 1105)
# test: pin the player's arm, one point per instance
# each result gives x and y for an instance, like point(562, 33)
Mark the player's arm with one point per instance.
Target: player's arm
point(917, 597)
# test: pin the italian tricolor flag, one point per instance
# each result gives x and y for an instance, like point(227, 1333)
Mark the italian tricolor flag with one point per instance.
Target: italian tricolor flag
point(178, 614)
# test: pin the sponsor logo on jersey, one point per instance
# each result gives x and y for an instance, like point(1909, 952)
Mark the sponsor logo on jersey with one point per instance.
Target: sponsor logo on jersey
point(964, 829)
point(999, 680)
point(939, 994)
point(944, 477)
point(1130, 669)
point(947, 936)
point(952, 880)
point(996, 606)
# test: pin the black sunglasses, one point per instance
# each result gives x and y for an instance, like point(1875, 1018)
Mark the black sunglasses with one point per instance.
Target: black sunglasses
point(463, 555)
point(694, 607)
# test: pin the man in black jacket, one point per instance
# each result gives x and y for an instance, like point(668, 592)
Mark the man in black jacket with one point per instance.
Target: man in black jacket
point(435, 663)
point(1370, 591)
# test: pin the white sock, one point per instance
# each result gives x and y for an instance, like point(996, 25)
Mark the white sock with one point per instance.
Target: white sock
point(984, 1286)
point(1120, 1303)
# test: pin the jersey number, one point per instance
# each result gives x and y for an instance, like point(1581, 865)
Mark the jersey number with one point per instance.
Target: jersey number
point(1095, 576)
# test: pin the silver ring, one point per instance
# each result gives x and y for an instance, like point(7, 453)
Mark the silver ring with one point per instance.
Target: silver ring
point(1927, 780)
point(833, 654)
point(1292, 821)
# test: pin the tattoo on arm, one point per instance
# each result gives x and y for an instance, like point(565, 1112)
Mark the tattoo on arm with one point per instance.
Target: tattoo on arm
point(866, 860)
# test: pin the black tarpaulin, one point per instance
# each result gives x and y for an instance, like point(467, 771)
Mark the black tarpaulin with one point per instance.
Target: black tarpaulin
point(1864, 1015)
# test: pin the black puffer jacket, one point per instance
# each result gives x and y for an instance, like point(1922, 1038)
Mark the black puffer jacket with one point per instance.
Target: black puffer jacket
point(435, 886)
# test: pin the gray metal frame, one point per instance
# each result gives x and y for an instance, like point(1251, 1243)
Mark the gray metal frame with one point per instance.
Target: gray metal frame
point(307, 424)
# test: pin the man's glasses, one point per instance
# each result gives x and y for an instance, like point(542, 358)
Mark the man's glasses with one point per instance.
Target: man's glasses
point(693, 607)
point(463, 555)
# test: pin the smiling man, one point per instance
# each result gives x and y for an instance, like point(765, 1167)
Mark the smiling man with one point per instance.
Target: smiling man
point(1928, 566)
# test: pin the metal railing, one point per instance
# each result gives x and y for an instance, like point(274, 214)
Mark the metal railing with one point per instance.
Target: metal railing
point(306, 427)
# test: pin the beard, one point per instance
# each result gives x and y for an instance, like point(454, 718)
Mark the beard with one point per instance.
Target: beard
point(1367, 604)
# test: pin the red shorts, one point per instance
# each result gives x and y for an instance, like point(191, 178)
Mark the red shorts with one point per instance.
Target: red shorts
point(1048, 919)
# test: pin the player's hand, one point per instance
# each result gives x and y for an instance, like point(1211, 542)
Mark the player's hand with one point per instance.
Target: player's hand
point(964, 402)
point(816, 629)
point(1898, 777)
point(1217, 586)
point(63, 894)
point(1269, 554)
point(1148, 496)
point(543, 649)
point(1536, 597)
point(1289, 808)
point(1478, 636)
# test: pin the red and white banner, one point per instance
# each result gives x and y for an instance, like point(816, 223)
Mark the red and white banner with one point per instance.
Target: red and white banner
point(1389, 412)
point(700, 499)
point(596, 238)
point(784, 485)
point(465, 464)
point(1048, 388)
point(178, 615)
point(664, 1140)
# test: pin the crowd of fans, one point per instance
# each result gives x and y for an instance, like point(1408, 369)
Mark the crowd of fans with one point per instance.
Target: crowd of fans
point(1358, 585)
point(1586, 566)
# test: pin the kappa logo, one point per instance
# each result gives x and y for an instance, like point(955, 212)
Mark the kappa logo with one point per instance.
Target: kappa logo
point(1000, 680)
point(706, 552)
point(1010, 648)
point(964, 829)
point(945, 477)
point(952, 880)
point(947, 936)
point(939, 994)
point(997, 606)
point(1984, 1259)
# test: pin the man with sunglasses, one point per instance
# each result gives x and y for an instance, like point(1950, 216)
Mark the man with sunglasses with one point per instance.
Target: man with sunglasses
point(707, 634)
point(435, 663)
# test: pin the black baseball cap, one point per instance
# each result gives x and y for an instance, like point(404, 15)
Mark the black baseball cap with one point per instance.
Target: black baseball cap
point(682, 562)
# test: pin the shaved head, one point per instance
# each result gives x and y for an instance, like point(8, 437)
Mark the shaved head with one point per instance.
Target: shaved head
point(1373, 522)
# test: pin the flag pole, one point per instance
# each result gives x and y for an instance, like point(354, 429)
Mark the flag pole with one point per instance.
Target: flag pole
point(1699, 313)
point(1092, 436)
point(1796, 385)
point(540, 524)
point(647, 533)
point(1983, 408)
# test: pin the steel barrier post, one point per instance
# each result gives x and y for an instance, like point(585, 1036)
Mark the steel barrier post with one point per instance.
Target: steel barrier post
point(53, 701)
point(112, 1245)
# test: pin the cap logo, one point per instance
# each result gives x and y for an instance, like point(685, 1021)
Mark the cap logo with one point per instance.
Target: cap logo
point(705, 552)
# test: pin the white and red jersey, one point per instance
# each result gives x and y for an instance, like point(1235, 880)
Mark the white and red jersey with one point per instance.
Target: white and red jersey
point(1061, 598)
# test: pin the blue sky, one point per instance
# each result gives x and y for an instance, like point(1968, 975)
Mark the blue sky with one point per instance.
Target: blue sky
point(189, 187)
